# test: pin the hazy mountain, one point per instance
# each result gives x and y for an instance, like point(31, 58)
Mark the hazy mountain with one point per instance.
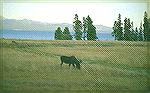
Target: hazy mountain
point(105, 29)
point(26, 25)
point(30, 25)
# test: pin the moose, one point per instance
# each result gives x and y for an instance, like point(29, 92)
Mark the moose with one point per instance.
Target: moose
point(71, 60)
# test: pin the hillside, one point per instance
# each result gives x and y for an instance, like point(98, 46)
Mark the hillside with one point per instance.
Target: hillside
point(34, 65)
point(30, 25)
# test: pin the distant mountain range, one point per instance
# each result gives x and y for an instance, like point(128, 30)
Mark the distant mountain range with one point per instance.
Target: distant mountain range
point(30, 25)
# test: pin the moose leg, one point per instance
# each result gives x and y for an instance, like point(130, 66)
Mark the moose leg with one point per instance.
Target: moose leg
point(69, 65)
point(61, 63)
point(73, 65)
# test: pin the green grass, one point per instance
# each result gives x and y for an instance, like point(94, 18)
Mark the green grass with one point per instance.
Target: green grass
point(108, 66)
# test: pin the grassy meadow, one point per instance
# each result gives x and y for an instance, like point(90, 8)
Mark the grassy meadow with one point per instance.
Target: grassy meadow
point(108, 66)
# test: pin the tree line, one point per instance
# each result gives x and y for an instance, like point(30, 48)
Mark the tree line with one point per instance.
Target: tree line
point(83, 30)
point(65, 35)
point(127, 31)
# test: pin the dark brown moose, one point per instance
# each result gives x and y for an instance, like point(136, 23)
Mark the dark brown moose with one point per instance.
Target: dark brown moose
point(71, 60)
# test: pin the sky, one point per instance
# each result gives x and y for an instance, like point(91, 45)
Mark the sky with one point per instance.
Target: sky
point(101, 13)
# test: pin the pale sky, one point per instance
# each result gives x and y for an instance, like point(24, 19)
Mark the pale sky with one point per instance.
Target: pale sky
point(101, 13)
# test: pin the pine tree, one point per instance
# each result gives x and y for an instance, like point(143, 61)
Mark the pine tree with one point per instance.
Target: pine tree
point(117, 29)
point(66, 34)
point(127, 30)
point(77, 28)
point(91, 29)
point(140, 33)
point(145, 26)
point(58, 34)
point(133, 33)
point(120, 33)
point(114, 33)
point(136, 35)
point(148, 34)
point(129, 25)
point(84, 28)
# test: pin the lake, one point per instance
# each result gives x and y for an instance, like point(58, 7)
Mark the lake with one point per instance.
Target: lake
point(42, 35)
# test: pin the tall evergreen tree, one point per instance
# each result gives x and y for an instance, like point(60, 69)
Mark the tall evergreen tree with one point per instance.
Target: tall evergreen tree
point(114, 33)
point(66, 34)
point(148, 38)
point(84, 28)
point(77, 25)
point(120, 28)
point(145, 26)
point(133, 33)
point(127, 30)
point(58, 34)
point(117, 29)
point(136, 35)
point(140, 33)
point(91, 29)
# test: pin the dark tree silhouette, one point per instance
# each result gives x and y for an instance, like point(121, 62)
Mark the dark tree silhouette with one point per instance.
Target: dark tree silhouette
point(128, 33)
point(66, 34)
point(58, 34)
point(145, 26)
point(91, 29)
point(84, 28)
point(133, 33)
point(136, 35)
point(77, 26)
point(127, 30)
point(148, 38)
point(117, 29)
point(114, 33)
point(140, 32)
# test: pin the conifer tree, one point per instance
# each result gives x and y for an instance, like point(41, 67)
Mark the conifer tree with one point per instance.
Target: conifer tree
point(127, 30)
point(84, 28)
point(145, 26)
point(148, 33)
point(117, 29)
point(133, 33)
point(58, 34)
point(77, 26)
point(114, 33)
point(66, 34)
point(140, 33)
point(91, 29)
point(136, 35)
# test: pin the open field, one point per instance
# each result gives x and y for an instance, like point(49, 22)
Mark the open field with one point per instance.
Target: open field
point(108, 66)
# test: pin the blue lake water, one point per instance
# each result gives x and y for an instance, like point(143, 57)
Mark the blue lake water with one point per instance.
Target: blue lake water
point(41, 35)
